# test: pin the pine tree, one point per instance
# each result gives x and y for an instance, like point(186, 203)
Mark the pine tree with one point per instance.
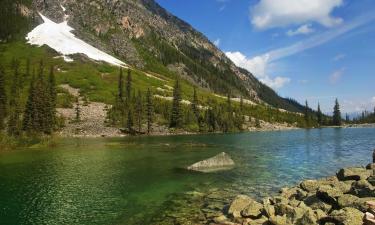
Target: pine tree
point(150, 110)
point(347, 119)
point(336, 120)
point(51, 102)
point(121, 87)
point(77, 111)
point(130, 123)
point(319, 115)
point(194, 104)
point(176, 114)
point(30, 109)
point(139, 111)
point(3, 99)
point(128, 86)
point(307, 114)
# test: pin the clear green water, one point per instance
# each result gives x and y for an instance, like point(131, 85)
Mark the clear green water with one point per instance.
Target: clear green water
point(130, 180)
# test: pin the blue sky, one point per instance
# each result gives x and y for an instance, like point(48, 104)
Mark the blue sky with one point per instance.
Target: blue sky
point(315, 50)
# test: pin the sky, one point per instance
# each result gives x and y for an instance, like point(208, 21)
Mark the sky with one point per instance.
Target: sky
point(314, 50)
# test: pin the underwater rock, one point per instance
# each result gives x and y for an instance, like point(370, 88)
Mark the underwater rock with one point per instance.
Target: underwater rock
point(221, 161)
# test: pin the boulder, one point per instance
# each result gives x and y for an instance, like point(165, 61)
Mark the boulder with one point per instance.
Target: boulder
point(278, 220)
point(221, 161)
point(239, 204)
point(345, 216)
point(316, 203)
point(308, 218)
point(329, 194)
point(370, 166)
point(253, 210)
point(362, 189)
point(260, 221)
point(293, 193)
point(354, 173)
point(347, 200)
point(292, 213)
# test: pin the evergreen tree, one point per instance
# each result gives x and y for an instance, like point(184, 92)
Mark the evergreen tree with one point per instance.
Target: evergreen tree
point(128, 86)
point(121, 87)
point(3, 99)
point(139, 111)
point(307, 114)
point(319, 115)
point(51, 102)
point(176, 114)
point(194, 104)
point(257, 123)
point(150, 110)
point(336, 119)
point(347, 119)
point(77, 111)
point(130, 123)
point(30, 109)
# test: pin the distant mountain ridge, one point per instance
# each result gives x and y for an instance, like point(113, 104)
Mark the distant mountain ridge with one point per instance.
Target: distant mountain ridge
point(146, 36)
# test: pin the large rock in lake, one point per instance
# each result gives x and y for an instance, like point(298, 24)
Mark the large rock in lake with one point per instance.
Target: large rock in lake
point(221, 161)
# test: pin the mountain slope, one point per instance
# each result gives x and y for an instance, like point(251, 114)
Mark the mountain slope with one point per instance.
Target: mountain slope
point(146, 36)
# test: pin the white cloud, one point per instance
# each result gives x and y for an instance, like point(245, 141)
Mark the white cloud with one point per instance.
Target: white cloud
point(339, 57)
point(258, 66)
point(303, 81)
point(217, 42)
point(336, 76)
point(373, 100)
point(304, 29)
point(279, 13)
point(321, 38)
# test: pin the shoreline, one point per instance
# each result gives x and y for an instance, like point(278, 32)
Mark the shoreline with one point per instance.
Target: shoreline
point(337, 200)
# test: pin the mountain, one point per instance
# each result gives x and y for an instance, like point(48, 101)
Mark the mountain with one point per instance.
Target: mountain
point(147, 37)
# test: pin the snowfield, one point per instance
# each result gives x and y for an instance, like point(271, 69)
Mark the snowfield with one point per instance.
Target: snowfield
point(58, 36)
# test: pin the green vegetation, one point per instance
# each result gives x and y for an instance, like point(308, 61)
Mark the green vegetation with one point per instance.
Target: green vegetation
point(26, 85)
point(336, 119)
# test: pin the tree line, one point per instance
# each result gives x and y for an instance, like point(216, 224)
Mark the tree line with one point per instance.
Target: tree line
point(137, 112)
point(318, 119)
point(35, 114)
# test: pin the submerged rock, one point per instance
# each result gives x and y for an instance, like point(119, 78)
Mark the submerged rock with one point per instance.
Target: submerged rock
point(221, 161)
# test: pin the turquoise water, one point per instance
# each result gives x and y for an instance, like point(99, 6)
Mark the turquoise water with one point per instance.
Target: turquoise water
point(131, 180)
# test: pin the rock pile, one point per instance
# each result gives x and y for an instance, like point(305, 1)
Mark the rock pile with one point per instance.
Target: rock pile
point(338, 200)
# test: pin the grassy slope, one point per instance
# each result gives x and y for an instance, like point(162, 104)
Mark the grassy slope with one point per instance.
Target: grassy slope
point(98, 81)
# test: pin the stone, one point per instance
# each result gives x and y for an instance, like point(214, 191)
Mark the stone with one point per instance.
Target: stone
point(308, 218)
point(316, 203)
point(354, 173)
point(221, 161)
point(345, 216)
point(370, 166)
point(292, 213)
point(253, 210)
point(239, 204)
point(362, 189)
point(269, 210)
point(293, 193)
point(347, 200)
point(310, 185)
point(260, 221)
point(278, 220)
point(328, 194)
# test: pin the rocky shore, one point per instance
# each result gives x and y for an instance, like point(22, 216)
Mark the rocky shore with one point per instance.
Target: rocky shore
point(339, 200)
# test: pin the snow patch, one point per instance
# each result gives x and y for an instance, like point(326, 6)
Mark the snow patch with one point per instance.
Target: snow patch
point(58, 36)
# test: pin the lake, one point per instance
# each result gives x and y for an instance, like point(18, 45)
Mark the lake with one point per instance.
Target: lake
point(135, 180)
